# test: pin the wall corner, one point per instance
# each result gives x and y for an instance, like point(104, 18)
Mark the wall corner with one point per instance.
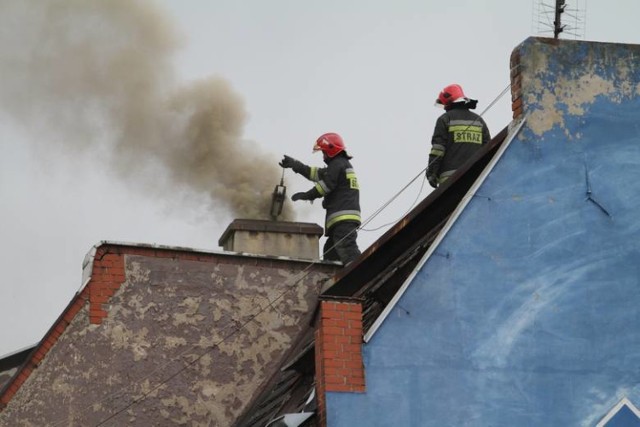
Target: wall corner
point(516, 83)
point(338, 354)
point(106, 278)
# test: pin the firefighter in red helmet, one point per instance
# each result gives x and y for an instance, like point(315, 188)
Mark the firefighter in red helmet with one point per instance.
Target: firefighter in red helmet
point(458, 134)
point(338, 186)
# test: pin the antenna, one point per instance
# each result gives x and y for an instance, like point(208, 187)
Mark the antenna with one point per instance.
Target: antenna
point(566, 17)
point(557, 22)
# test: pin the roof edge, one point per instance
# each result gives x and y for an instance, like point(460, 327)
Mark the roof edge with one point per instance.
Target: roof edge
point(454, 217)
point(87, 263)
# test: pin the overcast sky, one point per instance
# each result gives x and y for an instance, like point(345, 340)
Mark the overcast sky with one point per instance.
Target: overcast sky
point(367, 69)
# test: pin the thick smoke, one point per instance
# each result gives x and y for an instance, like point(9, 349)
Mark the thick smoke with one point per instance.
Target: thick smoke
point(97, 76)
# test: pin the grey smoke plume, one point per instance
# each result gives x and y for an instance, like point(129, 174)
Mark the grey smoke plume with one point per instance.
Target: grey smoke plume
point(97, 76)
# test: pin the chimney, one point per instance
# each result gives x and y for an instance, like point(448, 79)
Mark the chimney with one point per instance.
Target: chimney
point(277, 238)
point(338, 350)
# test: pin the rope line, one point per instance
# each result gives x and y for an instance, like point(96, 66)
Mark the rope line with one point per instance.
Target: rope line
point(491, 104)
point(289, 288)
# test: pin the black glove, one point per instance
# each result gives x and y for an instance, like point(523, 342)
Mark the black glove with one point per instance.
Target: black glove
point(287, 162)
point(300, 196)
point(433, 170)
point(433, 181)
point(290, 162)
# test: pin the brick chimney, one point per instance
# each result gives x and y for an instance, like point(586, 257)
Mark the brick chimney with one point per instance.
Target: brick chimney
point(277, 238)
point(338, 350)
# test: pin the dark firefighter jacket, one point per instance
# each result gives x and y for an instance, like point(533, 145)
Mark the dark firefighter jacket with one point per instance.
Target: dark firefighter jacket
point(457, 135)
point(338, 184)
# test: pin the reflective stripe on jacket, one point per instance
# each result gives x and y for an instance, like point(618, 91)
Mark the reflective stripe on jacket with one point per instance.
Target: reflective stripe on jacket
point(337, 183)
point(457, 135)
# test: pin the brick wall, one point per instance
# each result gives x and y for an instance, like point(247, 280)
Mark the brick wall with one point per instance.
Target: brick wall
point(338, 341)
point(106, 279)
point(516, 84)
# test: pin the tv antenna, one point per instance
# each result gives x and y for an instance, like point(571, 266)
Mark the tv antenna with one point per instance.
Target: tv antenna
point(562, 17)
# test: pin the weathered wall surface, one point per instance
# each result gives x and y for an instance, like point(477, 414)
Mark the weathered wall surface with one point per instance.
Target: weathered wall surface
point(184, 342)
point(527, 313)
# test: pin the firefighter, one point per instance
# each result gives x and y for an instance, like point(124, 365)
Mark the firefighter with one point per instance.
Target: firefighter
point(338, 185)
point(458, 133)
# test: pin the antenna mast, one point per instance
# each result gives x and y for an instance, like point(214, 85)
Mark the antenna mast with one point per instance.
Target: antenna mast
point(567, 17)
point(557, 22)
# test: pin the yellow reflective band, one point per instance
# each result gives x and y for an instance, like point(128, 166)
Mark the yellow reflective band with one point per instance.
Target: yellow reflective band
point(313, 173)
point(466, 128)
point(443, 176)
point(437, 153)
point(320, 189)
point(346, 217)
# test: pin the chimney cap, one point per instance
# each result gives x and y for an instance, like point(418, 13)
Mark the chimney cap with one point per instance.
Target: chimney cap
point(262, 225)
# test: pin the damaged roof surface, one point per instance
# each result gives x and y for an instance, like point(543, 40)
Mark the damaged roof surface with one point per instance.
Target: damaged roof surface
point(186, 338)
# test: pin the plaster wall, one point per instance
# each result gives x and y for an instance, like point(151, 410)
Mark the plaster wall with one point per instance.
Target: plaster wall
point(184, 342)
point(527, 312)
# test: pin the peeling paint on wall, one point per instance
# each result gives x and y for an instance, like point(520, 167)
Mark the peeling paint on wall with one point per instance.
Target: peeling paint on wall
point(531, 318)
point(192, 341)
point(553, 93)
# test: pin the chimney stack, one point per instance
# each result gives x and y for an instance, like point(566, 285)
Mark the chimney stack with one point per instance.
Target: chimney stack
point(299, 240)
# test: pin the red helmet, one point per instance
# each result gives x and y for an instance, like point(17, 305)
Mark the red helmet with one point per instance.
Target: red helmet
point(451, 94)
point(330, 144)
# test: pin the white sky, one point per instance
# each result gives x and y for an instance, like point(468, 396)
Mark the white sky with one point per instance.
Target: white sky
point(367, 69)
